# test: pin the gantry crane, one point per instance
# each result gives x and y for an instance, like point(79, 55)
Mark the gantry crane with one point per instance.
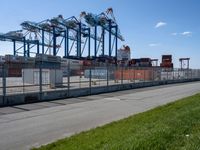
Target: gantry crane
point(46, 32)
point(17, 37)
point(108, 24)
point(45, 35)
point(78, 29)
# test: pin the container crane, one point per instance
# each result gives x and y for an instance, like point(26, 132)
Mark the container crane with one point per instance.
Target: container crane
point(47, 31)
point(68, 26)
point(72, 31)
point(79, 29)
point(107, 24)
point(18, 37)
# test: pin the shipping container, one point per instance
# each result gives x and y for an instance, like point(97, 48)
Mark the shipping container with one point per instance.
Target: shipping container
point(14, 72)
point(172, 75)
point(87, 63)
point(48, 58)
point(142, 62)
point(166, 58)
point(134, 74)
point(99, 73)
point(53, 77)
point(72, 63)
point(166, 61)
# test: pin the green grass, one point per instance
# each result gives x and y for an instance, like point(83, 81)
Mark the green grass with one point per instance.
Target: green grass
point(175, 126)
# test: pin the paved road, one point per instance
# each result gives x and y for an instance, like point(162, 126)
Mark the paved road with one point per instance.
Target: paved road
point(25, 126)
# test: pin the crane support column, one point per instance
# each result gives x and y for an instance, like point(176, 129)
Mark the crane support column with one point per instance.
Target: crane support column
point(38, 47)
point(103, 41)
point(14, 47)
point(54, 41)
point(42, 41)
point(79, 40)
point(67, 43)
point(28, 50)
point(110, 38)
point(116, 42)
point(24, 41)
point(89, 42)
point(95, 41)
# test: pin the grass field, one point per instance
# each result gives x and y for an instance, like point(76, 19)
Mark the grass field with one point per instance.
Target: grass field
point(175, 126)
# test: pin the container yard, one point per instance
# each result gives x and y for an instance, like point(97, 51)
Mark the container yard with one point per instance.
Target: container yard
point(56, 55)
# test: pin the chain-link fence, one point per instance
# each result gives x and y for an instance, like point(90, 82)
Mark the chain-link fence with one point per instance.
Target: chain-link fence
point(17, 78)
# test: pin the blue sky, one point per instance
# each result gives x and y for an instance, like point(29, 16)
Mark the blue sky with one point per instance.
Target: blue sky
point(177, 31)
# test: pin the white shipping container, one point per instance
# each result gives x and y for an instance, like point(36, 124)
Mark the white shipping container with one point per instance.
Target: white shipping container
point(53, 77)
point(72, 63)
point(172, 75)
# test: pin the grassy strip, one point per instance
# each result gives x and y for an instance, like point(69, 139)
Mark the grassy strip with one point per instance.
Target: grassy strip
point(175, 126)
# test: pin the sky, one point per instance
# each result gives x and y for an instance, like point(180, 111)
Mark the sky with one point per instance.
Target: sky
point(150, 27)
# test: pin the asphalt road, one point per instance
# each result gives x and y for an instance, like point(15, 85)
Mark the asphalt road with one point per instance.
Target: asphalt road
point(25, 126)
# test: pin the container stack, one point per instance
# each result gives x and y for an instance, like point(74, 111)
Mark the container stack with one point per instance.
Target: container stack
point(47, 61)
point(29, 62)
point(166, 61)
point(145, 62)
point(142, 62)
point(14, 65)
point(71, 66)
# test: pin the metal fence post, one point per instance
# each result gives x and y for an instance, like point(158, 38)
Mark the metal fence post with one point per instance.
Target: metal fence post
point(198, 73)
point(79, 74)
point(191, 74)
point(152, 74)
point(4, 83)
point(122, 75)
point(107, 75)
point(23, 80)
point(167, 74)
point(68, 78)
point(40, 79)
point(90, 81)
point(178, 75)
point(134, 74)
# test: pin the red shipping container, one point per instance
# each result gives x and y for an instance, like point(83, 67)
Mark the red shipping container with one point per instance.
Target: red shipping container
point(133, 74)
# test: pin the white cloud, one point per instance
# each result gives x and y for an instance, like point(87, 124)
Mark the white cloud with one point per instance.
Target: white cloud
point(154, 44)
point(186, 33)
point(160, 24)
point(174, 34)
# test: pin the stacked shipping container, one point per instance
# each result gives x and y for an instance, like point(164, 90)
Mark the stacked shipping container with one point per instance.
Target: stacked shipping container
point(134, 74)
point(166, 61)
point(14, 65)
point(142, 62)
